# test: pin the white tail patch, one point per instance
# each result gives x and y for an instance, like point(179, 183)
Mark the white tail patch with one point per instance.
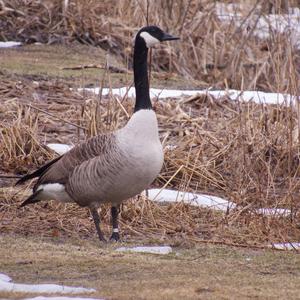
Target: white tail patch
point(59, 148)
point(149, 39)
point(53, 191)
point(51, 187)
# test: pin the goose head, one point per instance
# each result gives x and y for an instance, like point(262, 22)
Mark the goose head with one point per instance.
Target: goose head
point(152, 35)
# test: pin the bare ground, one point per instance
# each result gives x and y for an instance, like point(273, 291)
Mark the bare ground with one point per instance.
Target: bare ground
point(203, 272)
point(54, 62)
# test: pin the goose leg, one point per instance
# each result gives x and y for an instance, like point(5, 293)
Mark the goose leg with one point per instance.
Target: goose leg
point(96, 219)
point(114, 216)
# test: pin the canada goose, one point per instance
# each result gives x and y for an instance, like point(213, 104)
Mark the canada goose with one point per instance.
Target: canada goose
point(109, 167)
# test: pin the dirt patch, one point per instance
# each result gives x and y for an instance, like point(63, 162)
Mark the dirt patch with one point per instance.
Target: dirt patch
point(38, 62)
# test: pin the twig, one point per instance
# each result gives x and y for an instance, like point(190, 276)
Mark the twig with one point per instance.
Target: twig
point(56, 117)
point(178, 170)
point(10, 176)
point(92, 66)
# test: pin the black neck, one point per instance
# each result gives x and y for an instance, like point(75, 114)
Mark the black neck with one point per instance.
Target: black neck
point(141, 75)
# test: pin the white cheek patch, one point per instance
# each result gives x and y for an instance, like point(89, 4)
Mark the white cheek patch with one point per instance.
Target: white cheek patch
point(149, 39)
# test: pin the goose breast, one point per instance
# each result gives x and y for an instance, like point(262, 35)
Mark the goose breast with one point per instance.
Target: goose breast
point(125, 170)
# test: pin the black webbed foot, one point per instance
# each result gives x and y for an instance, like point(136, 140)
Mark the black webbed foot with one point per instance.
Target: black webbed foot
point(115, 237)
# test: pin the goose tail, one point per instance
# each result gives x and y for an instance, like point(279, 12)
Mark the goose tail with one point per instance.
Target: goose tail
point(31, 199)
point(38, 172)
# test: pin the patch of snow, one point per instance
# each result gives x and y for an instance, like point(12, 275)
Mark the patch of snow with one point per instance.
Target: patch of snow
point(59, 148)
point(294, 11)
point(147, 249)
point(286, 246)
point(274, 211)
point(207, 201)
point(5, 278)
point(10, 44)
point(169, 196)
point(60, 298)
point(170, 147)
point(265, 24)
point(7, 286)
point(245, 96)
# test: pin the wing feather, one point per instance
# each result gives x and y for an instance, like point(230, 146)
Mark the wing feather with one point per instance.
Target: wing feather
point(60, 169)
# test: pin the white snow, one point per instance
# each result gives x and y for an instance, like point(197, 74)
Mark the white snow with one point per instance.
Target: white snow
point(5, 278)
point(244, 96)
point(60, 298)
point(286, 246)
point(147, 249)
point(10, 44)
point(282, 212)
point(7, 286)
point(207, 201)
point(59, 148)
point(170, 147)
point(265, 25)
point(169, 196)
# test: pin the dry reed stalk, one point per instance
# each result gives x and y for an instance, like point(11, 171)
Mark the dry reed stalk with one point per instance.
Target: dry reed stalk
point(20, 147)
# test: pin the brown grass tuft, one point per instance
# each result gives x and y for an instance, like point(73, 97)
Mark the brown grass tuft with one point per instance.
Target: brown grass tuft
point(20, 148)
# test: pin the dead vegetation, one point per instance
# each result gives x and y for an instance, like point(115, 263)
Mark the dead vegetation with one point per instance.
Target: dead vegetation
point(213, 52)
point(20, 145)
point(245, 152)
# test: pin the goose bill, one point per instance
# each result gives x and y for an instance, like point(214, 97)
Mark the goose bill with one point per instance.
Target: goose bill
point(169, 37)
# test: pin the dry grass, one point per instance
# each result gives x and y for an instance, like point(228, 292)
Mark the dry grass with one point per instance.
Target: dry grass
point(246, 152)
point(20, 146)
